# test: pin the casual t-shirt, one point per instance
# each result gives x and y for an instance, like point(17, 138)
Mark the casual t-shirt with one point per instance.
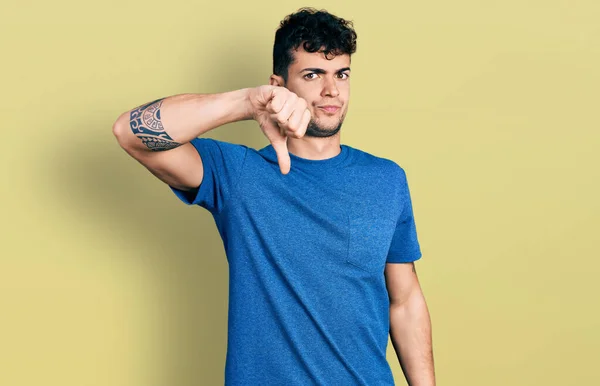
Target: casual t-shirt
point(306, 251)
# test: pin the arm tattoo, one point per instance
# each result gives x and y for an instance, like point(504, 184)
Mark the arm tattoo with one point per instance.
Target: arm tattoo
point(146, 125)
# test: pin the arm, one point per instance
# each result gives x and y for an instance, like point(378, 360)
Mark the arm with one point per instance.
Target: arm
point(410, 324)
point(157, 134)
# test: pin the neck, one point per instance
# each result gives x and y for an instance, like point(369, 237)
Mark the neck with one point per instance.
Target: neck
point(314, 148)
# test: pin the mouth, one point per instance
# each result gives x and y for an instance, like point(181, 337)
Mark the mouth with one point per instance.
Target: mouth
point(331, 109)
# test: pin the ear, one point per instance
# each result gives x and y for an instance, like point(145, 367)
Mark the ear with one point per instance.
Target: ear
point(276, 80)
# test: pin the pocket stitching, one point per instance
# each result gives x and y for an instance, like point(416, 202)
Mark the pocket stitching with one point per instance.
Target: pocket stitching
point(354, 263)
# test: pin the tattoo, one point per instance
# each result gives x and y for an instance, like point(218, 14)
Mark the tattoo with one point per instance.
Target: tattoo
point(145, 123)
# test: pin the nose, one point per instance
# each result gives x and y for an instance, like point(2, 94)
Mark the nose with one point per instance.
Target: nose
point(330, 88)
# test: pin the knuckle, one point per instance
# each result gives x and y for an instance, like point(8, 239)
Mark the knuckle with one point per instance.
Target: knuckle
point(280, 119)
point(275, 108)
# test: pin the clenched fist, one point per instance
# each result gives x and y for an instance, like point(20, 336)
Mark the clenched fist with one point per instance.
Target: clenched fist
point(280, 113)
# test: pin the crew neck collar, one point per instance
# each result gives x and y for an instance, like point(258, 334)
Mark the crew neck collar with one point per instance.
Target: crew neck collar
point(306, 163)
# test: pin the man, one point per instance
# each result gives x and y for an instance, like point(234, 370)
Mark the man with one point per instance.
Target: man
point(319, 236)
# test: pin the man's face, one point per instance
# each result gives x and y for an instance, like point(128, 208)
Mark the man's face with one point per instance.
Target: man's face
point(325, 85)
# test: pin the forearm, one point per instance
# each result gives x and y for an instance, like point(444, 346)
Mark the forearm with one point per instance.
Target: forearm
point(410, 332)
point(171, 121)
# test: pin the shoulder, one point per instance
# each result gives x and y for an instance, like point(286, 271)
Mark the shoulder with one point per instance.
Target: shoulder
point(218, 148)
point(390, 168)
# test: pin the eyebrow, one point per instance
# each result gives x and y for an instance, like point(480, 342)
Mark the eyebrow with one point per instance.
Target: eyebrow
point(321, 71)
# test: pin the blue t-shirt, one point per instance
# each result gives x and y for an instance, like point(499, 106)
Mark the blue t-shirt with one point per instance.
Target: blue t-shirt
point(308, 303)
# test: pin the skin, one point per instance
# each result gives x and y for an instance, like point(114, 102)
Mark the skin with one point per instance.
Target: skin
point(326, 83)
point(410, 323)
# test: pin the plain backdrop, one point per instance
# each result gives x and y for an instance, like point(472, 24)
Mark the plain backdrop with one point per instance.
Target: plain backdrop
point(491, 107)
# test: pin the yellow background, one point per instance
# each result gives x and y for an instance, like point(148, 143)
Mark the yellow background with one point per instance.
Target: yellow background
point(491, 107)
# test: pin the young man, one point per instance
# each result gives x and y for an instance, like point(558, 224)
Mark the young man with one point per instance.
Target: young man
point(319, 236)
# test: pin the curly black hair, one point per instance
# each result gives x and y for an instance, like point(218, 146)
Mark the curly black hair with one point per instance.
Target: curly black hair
point(315, 30)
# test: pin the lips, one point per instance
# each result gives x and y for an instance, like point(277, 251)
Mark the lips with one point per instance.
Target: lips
point(329, 108)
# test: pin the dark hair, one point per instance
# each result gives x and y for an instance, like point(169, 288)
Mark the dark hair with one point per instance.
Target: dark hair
point(315, 30)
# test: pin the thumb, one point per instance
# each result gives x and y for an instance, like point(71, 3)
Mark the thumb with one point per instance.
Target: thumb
point(283, 156)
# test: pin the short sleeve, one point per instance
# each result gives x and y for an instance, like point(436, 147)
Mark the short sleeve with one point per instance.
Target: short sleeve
point(222, 165)
point(405, 245)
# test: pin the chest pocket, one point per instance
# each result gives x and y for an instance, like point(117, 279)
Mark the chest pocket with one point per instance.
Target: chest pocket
point(370, 238)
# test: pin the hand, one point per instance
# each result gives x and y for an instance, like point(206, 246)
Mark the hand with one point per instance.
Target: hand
point(280, 113)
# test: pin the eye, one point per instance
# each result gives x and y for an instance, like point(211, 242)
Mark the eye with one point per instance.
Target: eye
point(344, 73)
point(310, 73)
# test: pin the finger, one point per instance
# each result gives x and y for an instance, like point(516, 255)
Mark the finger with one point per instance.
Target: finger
point(281, 127)
point(283, 156)
point(277, 101)
point(304, 123)
point(280, 118)
point(264, 94)
point(273, 131)
point(295, 121)
point(284, 115)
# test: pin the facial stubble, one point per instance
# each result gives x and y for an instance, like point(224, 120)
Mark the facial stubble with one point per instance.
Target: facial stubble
point(315, 130)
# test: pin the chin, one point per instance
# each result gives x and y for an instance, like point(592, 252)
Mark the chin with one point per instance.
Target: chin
point(317, 129)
